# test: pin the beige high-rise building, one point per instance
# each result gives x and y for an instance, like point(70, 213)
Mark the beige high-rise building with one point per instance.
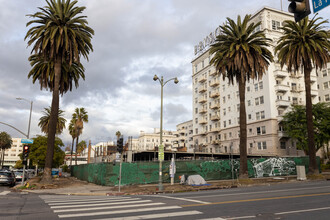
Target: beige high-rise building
point(216, 103)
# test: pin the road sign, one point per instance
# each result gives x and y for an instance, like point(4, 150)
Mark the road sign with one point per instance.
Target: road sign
point(320, 4)
point(26, 141)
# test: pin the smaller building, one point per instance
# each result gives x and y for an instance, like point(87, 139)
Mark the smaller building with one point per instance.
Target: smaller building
point(12, 154)
point(184, 136)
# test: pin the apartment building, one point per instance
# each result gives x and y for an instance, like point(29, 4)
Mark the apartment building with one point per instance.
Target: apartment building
point(323, 84)
point(216, 103)
point(11, 154)
point(149, 141)
point(184, 137)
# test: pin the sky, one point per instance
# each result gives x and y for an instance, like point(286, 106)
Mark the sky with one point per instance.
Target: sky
point(133, 41)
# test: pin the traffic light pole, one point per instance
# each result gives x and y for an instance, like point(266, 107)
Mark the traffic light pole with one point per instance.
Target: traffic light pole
point(121, 161)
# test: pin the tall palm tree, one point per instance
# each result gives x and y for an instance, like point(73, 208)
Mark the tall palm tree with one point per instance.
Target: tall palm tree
point(118, 134)
point(79, 116)
point(59, 35)
point(73, 133)
point(241, 54)
point(44, 121)
point(305, 45)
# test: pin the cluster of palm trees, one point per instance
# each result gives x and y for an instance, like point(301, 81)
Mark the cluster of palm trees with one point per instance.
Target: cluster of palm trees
point(59, 36)
point(76, 125)
point(241, 53)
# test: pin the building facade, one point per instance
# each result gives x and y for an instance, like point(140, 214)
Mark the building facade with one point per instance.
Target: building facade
point(216, 102)
point(12, 154)
point(184, 137)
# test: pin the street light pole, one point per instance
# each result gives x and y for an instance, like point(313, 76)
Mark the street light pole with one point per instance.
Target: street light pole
point(28, 133)
point(161, 147)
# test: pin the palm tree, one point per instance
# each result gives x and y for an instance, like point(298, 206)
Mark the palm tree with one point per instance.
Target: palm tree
point(73, 133)
point(305, 45)
point(5, 143)
point(79, 116)
point(44, 121)
point(241, 54)
point(60, 35)
point(118, 134)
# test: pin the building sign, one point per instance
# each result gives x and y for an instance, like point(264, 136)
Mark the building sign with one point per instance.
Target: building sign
point(161, 153)
point(320, 4)
point(207, 41)
point(26, 141)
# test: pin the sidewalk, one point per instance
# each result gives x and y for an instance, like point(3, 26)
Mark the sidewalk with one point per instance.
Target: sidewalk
point(73, 186)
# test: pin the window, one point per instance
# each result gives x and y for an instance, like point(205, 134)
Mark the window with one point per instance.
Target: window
point(249, 116)
point(229, 122)
point(326, 85)
point(251, 145)
point(259, 145)
point(196, 110)
point(282, 145)
point(250, 130)
point(327, 97)
point(258, 116)
point(324, 73)
point(196, 120)
point(264, 145)
point(256, 101)
point(237, 94)
point(276, 25)
point(248, 88)
point(196, 131)
point(261, 99)
point(196, 100)
point(263, 129)
point(249, 103)
point(258, 131)
point(224, 99)
point(196, 90)
point(230, 135)
point(256, 87)
point(223, 87)
point(262, 114)
point(203, 64)
point(261, 86)
point(195, 68)
point(238, 107)
point(224, 124)
point(224, 111)
point(229, 109)
point(228, 96)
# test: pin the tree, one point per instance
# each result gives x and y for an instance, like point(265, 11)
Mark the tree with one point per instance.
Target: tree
point(38, 151)
point(295, 126)
point(118, 134)
point(5, 143)
point(81, 146)
point(302, 46)
point(73, 133)
point(79, 116)
point(44, 121)
point(59, 35)
point(240, 54)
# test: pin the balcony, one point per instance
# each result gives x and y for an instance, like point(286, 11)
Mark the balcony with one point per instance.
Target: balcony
point(215, 117)
point(281, 88)
point(202, 89)
point(295, 75)
point(203, 132)
point(278, 73)
point(213, 73)
point(214, 94)
point(202, 121)
point(296, 89)
point(314, 93)
point(202, 79)
point(215, 142)
point(215, 129)
point(215, 105)
point(313, 79)
point(282, 134)
point(214, 82)
point(202, 99)
point(282, 103)
point(202, 110)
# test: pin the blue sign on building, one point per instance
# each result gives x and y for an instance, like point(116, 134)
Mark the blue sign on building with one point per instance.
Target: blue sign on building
point(320, 4)
point(27, 141)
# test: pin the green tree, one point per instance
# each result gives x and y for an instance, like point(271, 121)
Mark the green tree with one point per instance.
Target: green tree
point(295, 125)
point(79, 116)
point(5, 143)
point(59, 35)
point(240, 54)
point(302, 46)
point(44, 121)
point(38, 151)
point(81, 146)
point(73, 133)
point(118, 134)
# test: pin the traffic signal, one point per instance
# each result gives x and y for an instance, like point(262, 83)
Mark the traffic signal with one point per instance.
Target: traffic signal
point(300, 9)
point(26, 151)
point(120, 145)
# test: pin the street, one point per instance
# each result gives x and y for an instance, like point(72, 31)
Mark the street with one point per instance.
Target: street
point(301, 200)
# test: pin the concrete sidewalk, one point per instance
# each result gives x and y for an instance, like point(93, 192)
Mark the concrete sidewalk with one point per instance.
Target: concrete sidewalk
point(78, 187)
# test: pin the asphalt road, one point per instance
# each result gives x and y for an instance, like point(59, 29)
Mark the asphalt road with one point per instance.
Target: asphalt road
point(302, 200)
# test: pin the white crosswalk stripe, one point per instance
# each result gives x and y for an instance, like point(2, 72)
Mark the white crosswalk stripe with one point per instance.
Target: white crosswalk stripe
point(101, 207)
point(3, 193)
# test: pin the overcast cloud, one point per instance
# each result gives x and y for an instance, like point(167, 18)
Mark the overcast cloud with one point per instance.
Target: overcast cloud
point(134, 40)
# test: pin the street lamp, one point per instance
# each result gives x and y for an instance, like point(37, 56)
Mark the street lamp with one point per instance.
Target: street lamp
point(161, 147)
point(31, 103)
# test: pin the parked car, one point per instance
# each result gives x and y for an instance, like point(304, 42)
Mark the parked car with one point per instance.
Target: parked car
point(19, 175)
point(7, 177)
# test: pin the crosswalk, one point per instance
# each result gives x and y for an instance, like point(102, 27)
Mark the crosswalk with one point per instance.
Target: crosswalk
point(3, 193)
point(105, 207)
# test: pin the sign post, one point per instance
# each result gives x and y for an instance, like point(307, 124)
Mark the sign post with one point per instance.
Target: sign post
point(320, 4)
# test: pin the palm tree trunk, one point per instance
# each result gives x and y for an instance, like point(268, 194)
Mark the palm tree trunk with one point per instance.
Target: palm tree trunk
point(47, 176)
point(243, 168)
point(71, 151)
point(76, 148)
point(310, 127)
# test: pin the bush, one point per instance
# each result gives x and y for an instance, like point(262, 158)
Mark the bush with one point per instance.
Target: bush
point(325, 166)
point(66, 169)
